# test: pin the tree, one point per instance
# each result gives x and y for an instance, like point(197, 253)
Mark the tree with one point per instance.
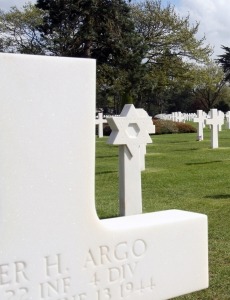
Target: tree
point(171, 49)
point(19, 30)
point(210, 83)
point(145, 52)
point(224, 61)
point(163, 29)
point(100, 29)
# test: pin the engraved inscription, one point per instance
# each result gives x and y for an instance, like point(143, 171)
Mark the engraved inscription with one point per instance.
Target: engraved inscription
point(109, 273)
point(58, 282)
point(123, 272)
point(130, 288)
point(120, 252)
point(114, 271)
point(14, 280)
point(13, 273)
point(17, 294)
point(53, 265)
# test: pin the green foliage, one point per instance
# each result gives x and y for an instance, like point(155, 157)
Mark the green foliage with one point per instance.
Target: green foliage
point(167, 126)
point(164, 30)
point(224, 61)
point(18, 30)
point(223, 106)
point(181, 173)
point(126, 99)
point(106, 130)
point(144, 50)
point(100, 29)
point(209, 86)
point(172, 47)
point(93, 28)
point(185, 128)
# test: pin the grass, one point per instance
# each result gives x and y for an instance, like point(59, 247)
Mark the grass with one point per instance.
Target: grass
point(184, 174)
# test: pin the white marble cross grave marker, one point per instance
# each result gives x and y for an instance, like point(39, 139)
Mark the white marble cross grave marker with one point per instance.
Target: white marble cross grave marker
point(221, 118)
point(53, 246)
point(99, 122)
point(174, 116)
point(131, 132)
point(179, 117)
point(227, 115)
point(215, 120)
point(200, 119)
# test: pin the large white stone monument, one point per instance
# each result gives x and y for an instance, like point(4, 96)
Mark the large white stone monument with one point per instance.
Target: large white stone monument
point(53, 246)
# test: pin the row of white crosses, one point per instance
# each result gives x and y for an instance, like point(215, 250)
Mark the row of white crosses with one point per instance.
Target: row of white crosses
point(177, 116)
point(215, 119)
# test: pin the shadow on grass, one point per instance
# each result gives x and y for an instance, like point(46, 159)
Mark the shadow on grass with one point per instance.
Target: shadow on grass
point(178, 142)
point(106, 156)
point(105, 172)
point(218, 197)
point(109, 217)
point(204, 163)
point(190, 149)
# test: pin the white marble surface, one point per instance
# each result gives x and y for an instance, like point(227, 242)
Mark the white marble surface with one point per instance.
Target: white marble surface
point(53, 246)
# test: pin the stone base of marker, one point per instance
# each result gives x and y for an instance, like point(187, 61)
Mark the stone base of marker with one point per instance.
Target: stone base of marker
point(170, 259)
point(158, 255)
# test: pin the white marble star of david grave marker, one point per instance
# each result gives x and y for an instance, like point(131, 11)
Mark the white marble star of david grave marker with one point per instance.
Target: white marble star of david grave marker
point(99, 122)
point(131, 132)
point(53, 246)
point(151, 130)
point(200, 119)
point(215, 121)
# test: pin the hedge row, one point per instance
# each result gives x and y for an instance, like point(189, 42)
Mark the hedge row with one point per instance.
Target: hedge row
point(162, 127)
point(166, 126)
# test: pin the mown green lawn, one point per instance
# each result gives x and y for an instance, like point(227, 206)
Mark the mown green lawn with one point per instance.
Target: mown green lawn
point(184, 174)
